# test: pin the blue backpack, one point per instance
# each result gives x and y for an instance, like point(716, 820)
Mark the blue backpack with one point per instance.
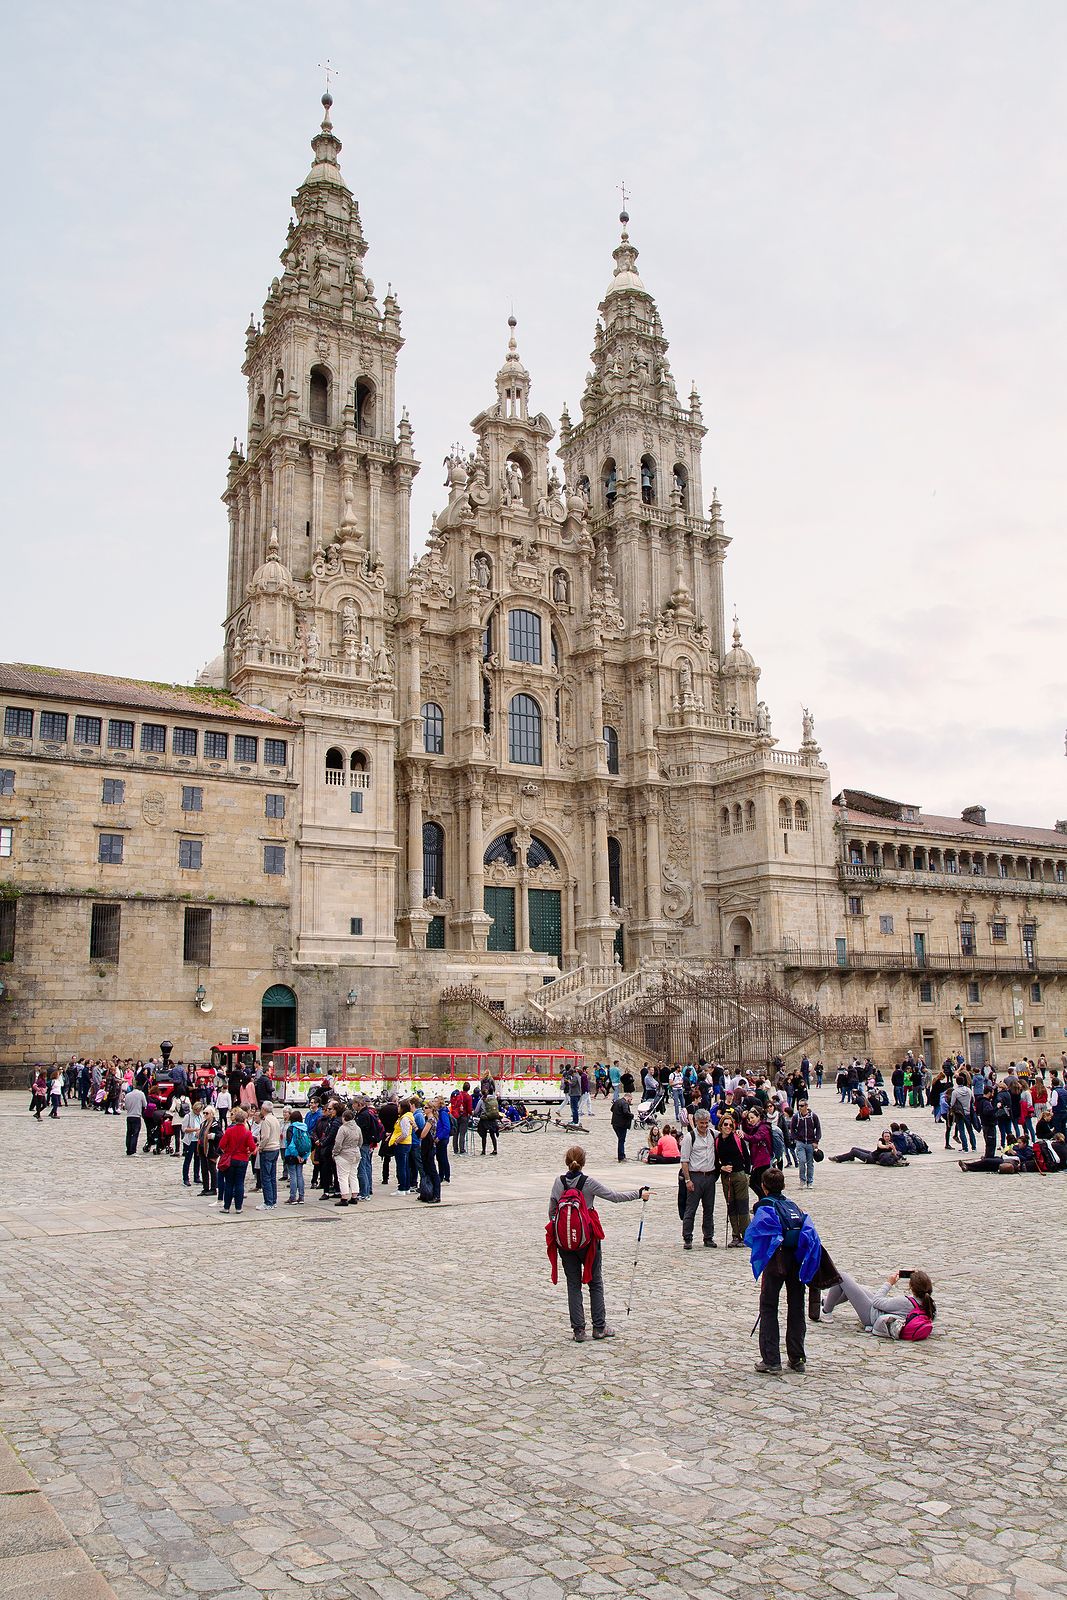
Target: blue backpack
point(299, 1141)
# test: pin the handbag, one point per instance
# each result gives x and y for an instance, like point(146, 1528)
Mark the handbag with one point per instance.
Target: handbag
point(223, 1164)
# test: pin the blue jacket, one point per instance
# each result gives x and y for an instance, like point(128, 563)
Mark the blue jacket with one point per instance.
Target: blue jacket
point(765, 1234)
point(444, 1124)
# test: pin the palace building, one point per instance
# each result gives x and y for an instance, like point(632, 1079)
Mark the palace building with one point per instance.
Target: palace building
point(525, 784)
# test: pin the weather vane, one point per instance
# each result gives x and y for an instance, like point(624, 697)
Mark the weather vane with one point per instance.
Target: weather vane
point(330, 71)
point(625, 195)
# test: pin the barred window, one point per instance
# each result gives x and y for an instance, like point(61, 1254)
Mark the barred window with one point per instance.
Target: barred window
point(114, 792)
point(433, 729)
point(191, 854)
point(524, 731)
point(611, 746)
point(192, 797)
point(274, 806)
point(275, 752)
point(18, 722)
point(183, 741)
point(524, 636)
point(196, 941)
point(433, 859)
point(216, 745)
point(109, 850)
point(274, 860)
point(87, 730)
point(245, 747)
point(7, 780)
point(54, 726)
point(104, 928)
point(154, 737)
point(998, 932)
point(119, 734)
point(355, 925)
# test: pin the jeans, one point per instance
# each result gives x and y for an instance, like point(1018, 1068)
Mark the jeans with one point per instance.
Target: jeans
point(806, 1161)
point(366, 1171)
point(268, 1174)
point(403, 1182)
point(442, 1161)
point(679, 1104)
point(233, 1185)
point(966, 1132)
point(459, 1136)
point(622, 1145)
point(702, 1194)
point(572, 1270)
point(770, 1338)
point(133, 1133)
point(295, 1169)
point(576, 1101)
point(191, 1158)
point(415, 1161)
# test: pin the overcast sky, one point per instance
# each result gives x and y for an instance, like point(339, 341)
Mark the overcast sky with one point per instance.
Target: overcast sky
point(852, 216)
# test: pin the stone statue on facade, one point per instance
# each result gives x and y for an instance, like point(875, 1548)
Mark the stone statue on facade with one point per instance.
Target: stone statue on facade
point(483, 571)
point(763, 717)
point(561, 589)
point(808, 726)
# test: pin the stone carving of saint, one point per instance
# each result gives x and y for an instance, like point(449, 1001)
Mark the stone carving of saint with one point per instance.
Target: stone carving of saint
point(513, 484)
point(365, 652)
point(560, 587)
point(349, 621)
point(483, 572)
point(685, 678)
point(809, 726)
point(763, 720)
point(382, 665)
point(312, 644)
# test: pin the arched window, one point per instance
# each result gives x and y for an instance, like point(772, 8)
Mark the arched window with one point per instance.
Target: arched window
point(319, 397)
point(260, 415)
point(487, 704)
point(538, 854)
point(785, 814)
point(502, 849)
point(366, 408)
point(524, 731)
point(358, 761)
point(487, 638)
point(433, 859)
point(648, 481)
point(738, 822)
point(750, 816)
point(555, 648)
point(800, 816)
point(681, 484)
point(335, 767)
point(611, 750)
point(724, 820)
point(433, 729)
point(609, 479)
point(615, 870)
point(524, 636)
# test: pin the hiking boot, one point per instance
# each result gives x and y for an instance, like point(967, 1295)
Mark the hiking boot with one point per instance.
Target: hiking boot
point(709, 1244)
point(798, 1366)
point(580, 1336)
point(687, 1244)
point(761, 1366)
point(603, 1333)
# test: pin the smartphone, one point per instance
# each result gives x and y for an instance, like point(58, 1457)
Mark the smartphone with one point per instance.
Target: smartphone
point(906, 1274)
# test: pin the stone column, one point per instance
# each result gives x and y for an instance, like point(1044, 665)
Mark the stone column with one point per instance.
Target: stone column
point(374, 518)
point(318, 476)
point(653, 867)
point(475, 895)
point(522, 904)
point(415, 793)
point(601, 885)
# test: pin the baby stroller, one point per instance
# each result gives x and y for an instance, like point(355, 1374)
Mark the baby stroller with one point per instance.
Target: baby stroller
point(650, 1107)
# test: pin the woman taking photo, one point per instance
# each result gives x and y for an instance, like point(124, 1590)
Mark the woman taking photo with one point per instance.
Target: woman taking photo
point(908, 1315)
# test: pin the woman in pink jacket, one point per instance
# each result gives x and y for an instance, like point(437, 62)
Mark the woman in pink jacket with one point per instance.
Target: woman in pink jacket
point(760, 1146)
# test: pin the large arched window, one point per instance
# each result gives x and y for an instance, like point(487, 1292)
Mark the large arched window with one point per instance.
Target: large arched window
point(611, 750)
point(335, 767)
point(785, 814)
point(681, 484)
point(433, 859)
point(502, 849)
point(609, 479)
point(524, 636)
point(615, 870)
point(319, 397)
point(366, 415)
point(648, 481)
point(524, 731)
point(433, 729)
point(538, 854)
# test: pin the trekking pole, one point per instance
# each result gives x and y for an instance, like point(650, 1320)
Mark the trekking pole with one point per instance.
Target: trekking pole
point(637, 1250)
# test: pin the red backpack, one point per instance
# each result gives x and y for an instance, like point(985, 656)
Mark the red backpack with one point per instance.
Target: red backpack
point(573, 1225)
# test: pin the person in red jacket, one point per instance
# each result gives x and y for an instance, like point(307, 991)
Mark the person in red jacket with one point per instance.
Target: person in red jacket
point(461, 1107)
point(236, 1149)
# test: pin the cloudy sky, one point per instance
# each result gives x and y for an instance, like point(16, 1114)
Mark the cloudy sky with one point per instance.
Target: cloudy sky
point(852, 215)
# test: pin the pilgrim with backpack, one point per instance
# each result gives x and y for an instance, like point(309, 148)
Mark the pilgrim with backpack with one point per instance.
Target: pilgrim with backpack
point(573, 1236)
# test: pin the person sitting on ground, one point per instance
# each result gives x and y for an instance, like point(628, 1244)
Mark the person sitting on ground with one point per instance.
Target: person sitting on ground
point(908, 1316)
point(884, 1154)
point(666, 1149)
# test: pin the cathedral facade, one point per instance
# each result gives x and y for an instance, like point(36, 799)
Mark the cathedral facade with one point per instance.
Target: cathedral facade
point(533, 766)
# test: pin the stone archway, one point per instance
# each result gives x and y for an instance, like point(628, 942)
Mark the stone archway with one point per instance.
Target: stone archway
point(739, 938)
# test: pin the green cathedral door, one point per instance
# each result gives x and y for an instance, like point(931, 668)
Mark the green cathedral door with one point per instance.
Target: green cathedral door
point(500, 905)
point(546, 923)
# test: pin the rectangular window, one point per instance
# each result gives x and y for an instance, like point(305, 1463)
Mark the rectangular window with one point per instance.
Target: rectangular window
point(8, 909)
point(998, 932)
point(119, 734)
point(1029, 940)
point(274, 806)
point(196, 943)
point(7, 780)
point(974, 994)
point(1039, 1030)
point(114, 792)
point(87, 730)
point(154, 737)
point(192, 797)
point(54, 726)
point(18, 723)
point(275, 752)
point(1007, 1033)
point(109, 849)
point(6, 838)
point(216, 745)
point(245, 747)
point(274, 860)
point(1035, 994)
point(926, 992)
point(356, 800)
point(855, 905)
point(190, 854)
point(355, 925)
point(183, 741)
point(967, 938)
point(104, 933)
point(524, 636)
point(882, 1013)
point(885, 924)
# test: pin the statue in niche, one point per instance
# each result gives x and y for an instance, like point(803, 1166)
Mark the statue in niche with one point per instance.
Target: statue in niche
point(483, 571)
point(383, 666)
point(366, 654)
point(809, 726)
point(561, 589)
point(685, 679)
point(349, 621)
point(279, 386)
point(512, 484)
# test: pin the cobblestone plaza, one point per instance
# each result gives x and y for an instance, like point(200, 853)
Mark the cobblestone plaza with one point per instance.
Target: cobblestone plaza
point(388, 1404)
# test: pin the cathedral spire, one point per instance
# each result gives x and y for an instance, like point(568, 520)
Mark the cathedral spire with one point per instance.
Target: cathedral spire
point(626, 275)
point(327, 147)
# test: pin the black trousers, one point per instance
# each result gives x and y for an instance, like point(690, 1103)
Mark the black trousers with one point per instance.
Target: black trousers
point(133, 1133)
point(770, 1340)
point(701, 1197)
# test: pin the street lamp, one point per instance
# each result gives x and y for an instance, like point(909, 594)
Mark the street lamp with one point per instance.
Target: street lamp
point(200, 996)
point(957, 1012)
point(351, 997)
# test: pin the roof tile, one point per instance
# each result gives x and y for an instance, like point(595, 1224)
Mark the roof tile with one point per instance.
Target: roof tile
point(57, 683)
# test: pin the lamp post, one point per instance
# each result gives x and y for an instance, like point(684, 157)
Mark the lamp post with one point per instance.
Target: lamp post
point(957, 1012)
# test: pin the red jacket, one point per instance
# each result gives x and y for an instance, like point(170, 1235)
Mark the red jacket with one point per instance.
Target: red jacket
point(237, 1143)
point(461, 1103)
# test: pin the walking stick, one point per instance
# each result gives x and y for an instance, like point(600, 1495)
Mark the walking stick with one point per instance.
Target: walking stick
point(637, 1248)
